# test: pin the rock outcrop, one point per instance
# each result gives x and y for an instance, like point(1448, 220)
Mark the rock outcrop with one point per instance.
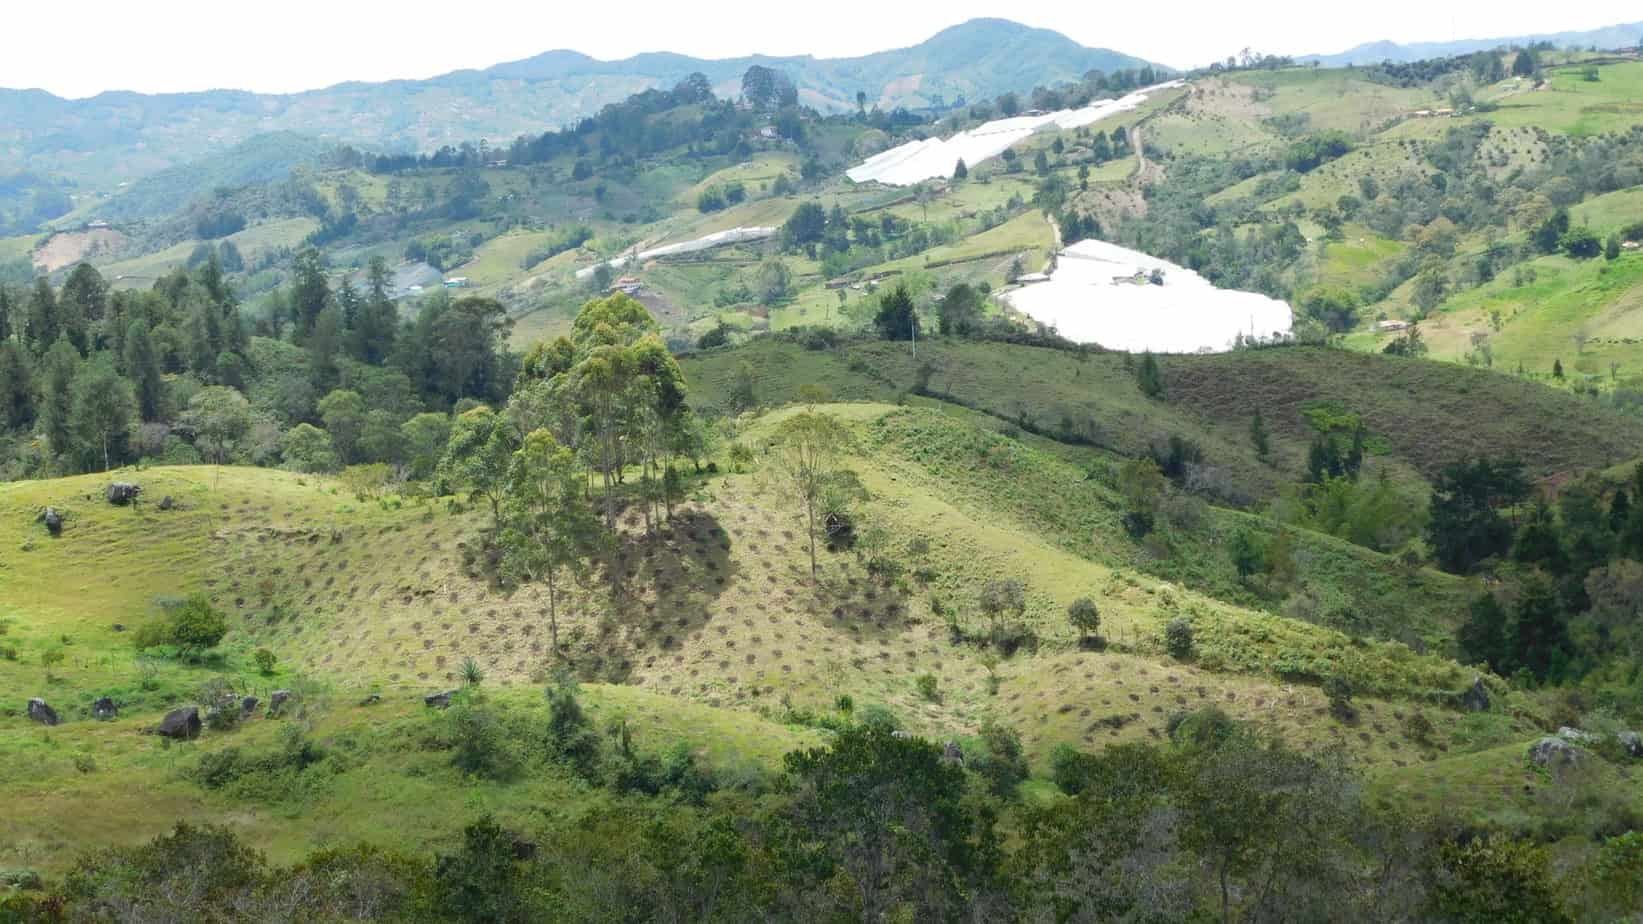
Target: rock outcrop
point(1476, 697)
point(1555, 753)
point(183, 724)
point(42, 713)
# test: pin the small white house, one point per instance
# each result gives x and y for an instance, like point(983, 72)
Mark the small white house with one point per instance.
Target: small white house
point(1391, 326)
point(456, 282)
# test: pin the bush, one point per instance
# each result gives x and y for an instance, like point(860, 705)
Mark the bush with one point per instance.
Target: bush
point(1009, 637)
point(1071, 769)
point(1084, 616)
point(571, 737)
point(478, 742)
point(929, 687)
point(717, 337)
point(192, 626)
point(1178, 638)
point(1339, 691)
point(874, 715)
point(1419, 728)
point(295, 753)
point(265, 661)
point(1002, 762)
point(472, 674)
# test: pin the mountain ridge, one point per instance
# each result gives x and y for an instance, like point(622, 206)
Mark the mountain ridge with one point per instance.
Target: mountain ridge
point(122, 135)
point(1375, 52)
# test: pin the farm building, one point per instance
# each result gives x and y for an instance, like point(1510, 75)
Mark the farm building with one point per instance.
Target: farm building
point(1390, 326)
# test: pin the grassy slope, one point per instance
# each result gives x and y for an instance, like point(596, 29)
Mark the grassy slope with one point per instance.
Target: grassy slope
point(722, 624)
point(253, 243)
point(1425, 414)
point(1541, 320)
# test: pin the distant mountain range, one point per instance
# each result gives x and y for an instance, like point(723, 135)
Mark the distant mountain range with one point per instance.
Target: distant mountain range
point(120, 135)
point(1620, 36)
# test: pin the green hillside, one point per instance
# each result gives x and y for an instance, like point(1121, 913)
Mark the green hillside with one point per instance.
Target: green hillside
point(640, 520)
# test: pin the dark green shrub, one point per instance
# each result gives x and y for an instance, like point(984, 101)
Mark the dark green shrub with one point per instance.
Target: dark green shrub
point(1178, 638)
point(1084, 616)
point(1002, 761)
point(1072, 770)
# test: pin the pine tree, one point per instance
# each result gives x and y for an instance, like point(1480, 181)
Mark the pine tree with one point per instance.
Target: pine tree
point(1148, 377)
point(1620, 511)
point(58, 367)
point(143, 368)
point(1557, 369)
point(1482, 638)
point(8, 313)
point(44, 324)
point(961, 171)
point(16, 386)
point(1539, 634)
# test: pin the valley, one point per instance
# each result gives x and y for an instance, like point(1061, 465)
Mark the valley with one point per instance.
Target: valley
point(916, 486)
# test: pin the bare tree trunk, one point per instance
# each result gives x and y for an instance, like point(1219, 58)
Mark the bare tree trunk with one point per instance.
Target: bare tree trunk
point(553, 614)
point(1226, 902)
point(810, 511)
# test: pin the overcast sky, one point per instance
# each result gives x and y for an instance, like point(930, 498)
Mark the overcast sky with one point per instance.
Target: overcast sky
point(81, 48)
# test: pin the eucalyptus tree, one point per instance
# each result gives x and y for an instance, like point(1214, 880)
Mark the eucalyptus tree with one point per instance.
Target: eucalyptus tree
point(547, 524)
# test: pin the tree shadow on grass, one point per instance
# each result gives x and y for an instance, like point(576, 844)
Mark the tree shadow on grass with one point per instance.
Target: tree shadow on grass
point(659, 589)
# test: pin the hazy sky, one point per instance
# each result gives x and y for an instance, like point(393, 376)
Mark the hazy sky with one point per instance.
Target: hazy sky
point(84, 47)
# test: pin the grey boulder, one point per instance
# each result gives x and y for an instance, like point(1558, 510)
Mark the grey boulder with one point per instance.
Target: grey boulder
point(181, 723)
point(439, 700)
point(53, 521)
point(1631, 742)
point(1555, 753)
point(121, 493)
point(1476, 697)
point(42, 713)
point(277, 701)
point(104, 709)
point(1575, 735)
point(248, 705)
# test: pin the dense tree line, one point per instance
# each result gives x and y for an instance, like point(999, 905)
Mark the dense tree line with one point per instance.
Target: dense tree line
point(93, 377)
point(1218, 823)
point(1564, 604)
point(626, 131)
